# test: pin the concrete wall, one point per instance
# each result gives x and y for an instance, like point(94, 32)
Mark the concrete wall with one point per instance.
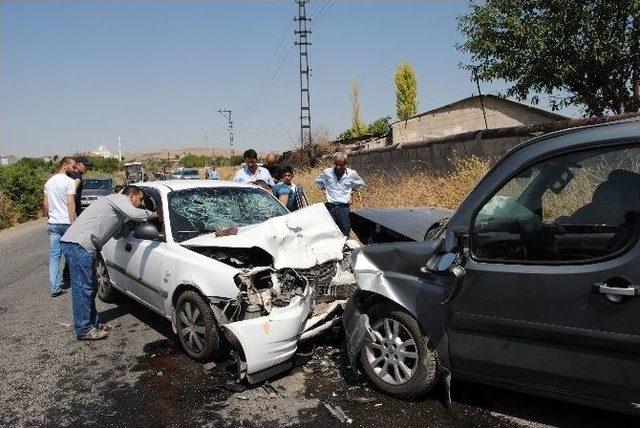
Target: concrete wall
point(464, 117)
point(433, 156)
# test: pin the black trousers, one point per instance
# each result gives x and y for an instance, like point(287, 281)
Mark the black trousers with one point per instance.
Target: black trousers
point(340, 214)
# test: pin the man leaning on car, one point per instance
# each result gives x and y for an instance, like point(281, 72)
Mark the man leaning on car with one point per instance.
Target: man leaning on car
point(102, 220)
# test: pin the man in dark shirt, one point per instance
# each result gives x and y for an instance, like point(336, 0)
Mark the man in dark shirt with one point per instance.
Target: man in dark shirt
point(82, 164)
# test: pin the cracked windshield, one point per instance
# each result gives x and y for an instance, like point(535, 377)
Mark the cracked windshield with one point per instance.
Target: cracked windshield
point(203, 210)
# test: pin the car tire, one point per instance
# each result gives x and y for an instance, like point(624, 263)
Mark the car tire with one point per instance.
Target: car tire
point(105, 290)
point(196, 327)
point(407, 370)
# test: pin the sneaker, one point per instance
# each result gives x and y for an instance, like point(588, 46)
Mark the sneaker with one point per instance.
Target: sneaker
point(104, 327)
point(94, 334)
point(58, 293)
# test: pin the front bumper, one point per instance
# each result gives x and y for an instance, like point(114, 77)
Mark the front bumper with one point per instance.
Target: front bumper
point(357, 329)
point(272, 339)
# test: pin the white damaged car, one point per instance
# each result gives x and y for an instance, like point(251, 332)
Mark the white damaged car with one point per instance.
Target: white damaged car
point(229, 265)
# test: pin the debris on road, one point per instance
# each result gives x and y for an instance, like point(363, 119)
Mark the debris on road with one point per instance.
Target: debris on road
point(338, 413)
point(209, 366)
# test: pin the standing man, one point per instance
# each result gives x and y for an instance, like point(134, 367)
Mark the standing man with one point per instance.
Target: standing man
point(212, 174)
point(81, 167)
point(338, 183)
point(102, 220)
point(272, 167)
point(251, 171)
point(60, 209)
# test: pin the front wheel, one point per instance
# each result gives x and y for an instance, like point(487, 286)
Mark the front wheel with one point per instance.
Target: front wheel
point(196, 327)
point(105, 292)
point(398, 362)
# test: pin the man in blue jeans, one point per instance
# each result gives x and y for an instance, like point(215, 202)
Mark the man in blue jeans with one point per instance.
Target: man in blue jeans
point(102, 220)
point(60, 209)
point(339, 183)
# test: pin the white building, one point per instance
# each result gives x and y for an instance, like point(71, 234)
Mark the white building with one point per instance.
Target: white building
point(104, 152)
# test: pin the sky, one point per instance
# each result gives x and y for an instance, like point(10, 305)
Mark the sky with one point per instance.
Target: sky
point(77, 74)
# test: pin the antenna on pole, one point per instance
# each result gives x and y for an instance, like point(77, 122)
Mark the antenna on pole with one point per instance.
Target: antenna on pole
point(227, 115)
point(305, 103)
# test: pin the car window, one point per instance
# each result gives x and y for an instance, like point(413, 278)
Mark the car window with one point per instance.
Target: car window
point(203, 210)
point(92, 183)
point(575, 207)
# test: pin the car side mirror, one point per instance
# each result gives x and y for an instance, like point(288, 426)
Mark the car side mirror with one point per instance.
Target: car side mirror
point(146, 231)
point(440, 263)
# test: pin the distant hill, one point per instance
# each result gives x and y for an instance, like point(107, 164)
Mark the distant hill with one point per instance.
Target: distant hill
point(144, 155)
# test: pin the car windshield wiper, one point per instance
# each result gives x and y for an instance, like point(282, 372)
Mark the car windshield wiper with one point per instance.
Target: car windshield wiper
point(201, 230)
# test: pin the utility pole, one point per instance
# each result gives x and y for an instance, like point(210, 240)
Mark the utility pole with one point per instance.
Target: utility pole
point(119, 148)
point(227, 115)
point(302, 42)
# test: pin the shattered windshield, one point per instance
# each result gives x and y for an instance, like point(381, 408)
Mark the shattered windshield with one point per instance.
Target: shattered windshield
point(203, 210)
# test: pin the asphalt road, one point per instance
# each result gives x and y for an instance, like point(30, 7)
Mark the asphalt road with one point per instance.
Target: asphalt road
point(140, 377)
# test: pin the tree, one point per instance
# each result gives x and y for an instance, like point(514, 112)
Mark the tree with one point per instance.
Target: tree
point(406, 91)
point(358, 127)
point(379, 126)
point(576, 51)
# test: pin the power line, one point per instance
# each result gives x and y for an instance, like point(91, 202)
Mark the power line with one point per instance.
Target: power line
point(270, 74)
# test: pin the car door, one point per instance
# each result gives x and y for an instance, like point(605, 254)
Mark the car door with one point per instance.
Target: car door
point(550, 297)
point(143, 260)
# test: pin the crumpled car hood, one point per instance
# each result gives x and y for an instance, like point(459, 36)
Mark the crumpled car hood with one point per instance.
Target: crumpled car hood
point(299, 240)
point(398, 224)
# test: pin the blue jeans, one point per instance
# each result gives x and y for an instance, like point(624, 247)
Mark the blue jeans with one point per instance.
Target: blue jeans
point(56, 262)
point(340, 214)
point(83, 287)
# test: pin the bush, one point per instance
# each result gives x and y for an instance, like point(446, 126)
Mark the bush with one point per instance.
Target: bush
point(23, 184)
point(108, 165)
point(8, 211)
point(195, 161)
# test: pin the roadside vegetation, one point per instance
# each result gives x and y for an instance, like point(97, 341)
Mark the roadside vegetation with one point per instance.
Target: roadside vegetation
point(22, 186)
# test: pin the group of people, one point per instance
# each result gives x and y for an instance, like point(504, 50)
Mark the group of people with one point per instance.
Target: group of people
point(338, 183)
point(79, 238)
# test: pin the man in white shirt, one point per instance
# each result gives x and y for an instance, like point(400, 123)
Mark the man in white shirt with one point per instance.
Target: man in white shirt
point(251, 171)
point(212, 174)
point(60, 209)
point(339, 183)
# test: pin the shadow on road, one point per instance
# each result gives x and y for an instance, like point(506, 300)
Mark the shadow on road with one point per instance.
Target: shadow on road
point(143, 314)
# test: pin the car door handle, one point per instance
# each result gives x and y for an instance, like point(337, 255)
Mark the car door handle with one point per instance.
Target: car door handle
point(127, 247)
point(603, 288)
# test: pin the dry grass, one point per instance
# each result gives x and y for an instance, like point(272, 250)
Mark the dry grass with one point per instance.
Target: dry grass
point(384, 190)
point(419, 188)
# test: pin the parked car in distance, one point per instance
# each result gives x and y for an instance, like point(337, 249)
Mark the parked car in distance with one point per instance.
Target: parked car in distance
point(93, 188)
point(185, 174)
point(532, 284)
point(232, 269)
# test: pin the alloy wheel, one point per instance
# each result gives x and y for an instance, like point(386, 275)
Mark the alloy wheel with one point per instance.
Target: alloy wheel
point(393, 354)
point(192, 330)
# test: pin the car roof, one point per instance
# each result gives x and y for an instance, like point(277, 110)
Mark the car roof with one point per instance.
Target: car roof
point(619, 129)
point(166, 186)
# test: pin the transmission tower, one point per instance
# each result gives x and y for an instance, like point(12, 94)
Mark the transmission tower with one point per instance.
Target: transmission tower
point(302, 42)
point(227, 115)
